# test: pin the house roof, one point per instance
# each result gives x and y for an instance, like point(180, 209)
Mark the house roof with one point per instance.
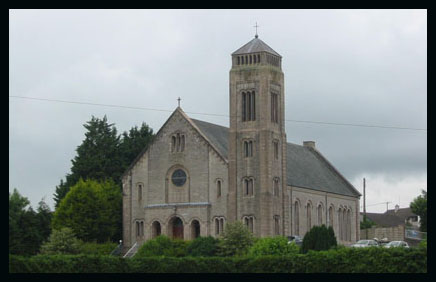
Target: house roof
point(254, 46)
point(385, 220)
point(403, 213)
point(306, 167)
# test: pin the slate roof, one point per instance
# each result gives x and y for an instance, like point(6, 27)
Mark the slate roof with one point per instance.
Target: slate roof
point(255, 45)
point(385, 220)
point(306, 167)
point(403, 213)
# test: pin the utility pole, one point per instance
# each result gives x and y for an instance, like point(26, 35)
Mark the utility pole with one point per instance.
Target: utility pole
point(364, 199)
point(387, 206)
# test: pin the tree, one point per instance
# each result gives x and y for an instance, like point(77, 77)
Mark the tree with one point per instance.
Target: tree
point(27, 228)
point(236, 239)
point(319, 238)
point(92, 209)
point(133, 142)
point(61, 241)
point(419, 207)
point(366, 223)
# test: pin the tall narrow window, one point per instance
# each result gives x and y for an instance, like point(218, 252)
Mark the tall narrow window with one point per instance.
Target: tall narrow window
point(239, 61)
point(258, 58)
point(182, 145)
point(340, 223)
point(173, 143)
point(276, 225)
point(217, 226)
point(253, 106)
point(251, 60)
point(349, 225)
point(139, 192)
point(178, 142)
point(248, 186)
point(218, 188)
point(246, 59)
point(244, 106)
point(242, 60)
point(274, 108)
point(309, 216)
point(276, 149)
point(319, 215)
point(330, 217)
point(254, 58)
point(276, 189)
point(221, 223)
point(142, 228)
point(297, 218)
point(249, 106)
point(137, 229)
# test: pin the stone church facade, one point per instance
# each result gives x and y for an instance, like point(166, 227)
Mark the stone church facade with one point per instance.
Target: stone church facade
point(196, 176)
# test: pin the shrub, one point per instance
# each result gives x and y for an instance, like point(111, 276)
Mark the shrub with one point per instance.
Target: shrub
point(61, 241)
point(163, 246)
point(341, 260)
point(236, 240)
point(319, 238)
point(273, 246)
point(423, 244)
point(203, 247)
point(93, 248)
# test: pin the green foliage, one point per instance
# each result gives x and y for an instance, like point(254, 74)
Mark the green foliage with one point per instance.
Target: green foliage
point(235, 240)
point(92, 209)
point(61, 241)
point(103, 154)
point(366, 223)
point(203, 247)
point(319, 238)
point(278, 245)
point(94, 248)
point(419, 207)
point(163, 246)
point(340, 260)
point(423, 244)
point(27, 228)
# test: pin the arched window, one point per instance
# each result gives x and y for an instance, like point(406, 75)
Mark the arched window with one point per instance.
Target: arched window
point(349, 225)
point(276, 149)
point(218, 188)
point(248, 184)
point(274, 107)
point(340, 223)
point(182, 145)
point(195, 229)
point(249, 223)
point(173, 143)
point(276, 186)
point(142, 228)
point(248, 106)
point(155, 229)
point(276, 225)
point(248, 148)
point(320, 214)
point(331, 211)
point(139, 192)
point(345, 225)
point(219, 225)
point(178, 142)
point(309, 216)
point(137, 229)
point(296, 218)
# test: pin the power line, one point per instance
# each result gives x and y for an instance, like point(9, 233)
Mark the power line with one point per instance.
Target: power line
point(221, 115)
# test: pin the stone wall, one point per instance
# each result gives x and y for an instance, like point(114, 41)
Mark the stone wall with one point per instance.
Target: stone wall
point(392, 233)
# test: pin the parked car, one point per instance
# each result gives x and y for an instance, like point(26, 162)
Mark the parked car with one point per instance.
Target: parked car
point(295, 238)
point(365, 244)
point(401, 244)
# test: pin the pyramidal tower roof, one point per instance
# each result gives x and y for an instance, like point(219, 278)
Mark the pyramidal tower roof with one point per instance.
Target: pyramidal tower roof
point(255, 45)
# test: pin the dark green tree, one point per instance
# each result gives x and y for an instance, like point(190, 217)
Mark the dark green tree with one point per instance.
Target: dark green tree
point(318, 238)
point(27, 228)
point(92, 209)
point(134, 142)
point(235, 240)
point(419, 207)
point(366, 223)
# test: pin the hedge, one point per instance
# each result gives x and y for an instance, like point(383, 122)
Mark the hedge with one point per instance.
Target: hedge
point(340, 260)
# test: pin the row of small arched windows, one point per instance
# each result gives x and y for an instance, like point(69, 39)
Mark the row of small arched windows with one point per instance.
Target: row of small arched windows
point(178, 142)
point(248, 59)
point(273, 60)
point(248, 186)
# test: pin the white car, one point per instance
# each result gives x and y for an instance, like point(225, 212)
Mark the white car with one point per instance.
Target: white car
point(365, 244)
point(401, 244)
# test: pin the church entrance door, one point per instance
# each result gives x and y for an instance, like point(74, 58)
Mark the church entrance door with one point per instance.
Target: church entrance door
point(177, 228)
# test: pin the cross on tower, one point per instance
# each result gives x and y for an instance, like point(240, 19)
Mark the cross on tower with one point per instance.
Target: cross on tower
point(256, 26)
point(178, 100)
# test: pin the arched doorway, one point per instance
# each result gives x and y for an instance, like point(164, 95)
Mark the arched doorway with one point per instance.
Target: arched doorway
point(176, 228)
point(195, 229)
point(155, 227)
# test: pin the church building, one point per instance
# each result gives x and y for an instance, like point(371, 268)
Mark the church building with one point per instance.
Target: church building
point(196, 176)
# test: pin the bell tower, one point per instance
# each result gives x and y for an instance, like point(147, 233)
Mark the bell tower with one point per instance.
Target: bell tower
point(257, 139)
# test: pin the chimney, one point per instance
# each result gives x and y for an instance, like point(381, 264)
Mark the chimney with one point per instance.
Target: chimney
point(397, 207)
point(310, 144)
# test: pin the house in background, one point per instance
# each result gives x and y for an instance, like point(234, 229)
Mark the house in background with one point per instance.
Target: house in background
point(391, 224)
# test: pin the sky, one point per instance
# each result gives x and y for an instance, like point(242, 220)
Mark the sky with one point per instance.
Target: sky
point(340, 66)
